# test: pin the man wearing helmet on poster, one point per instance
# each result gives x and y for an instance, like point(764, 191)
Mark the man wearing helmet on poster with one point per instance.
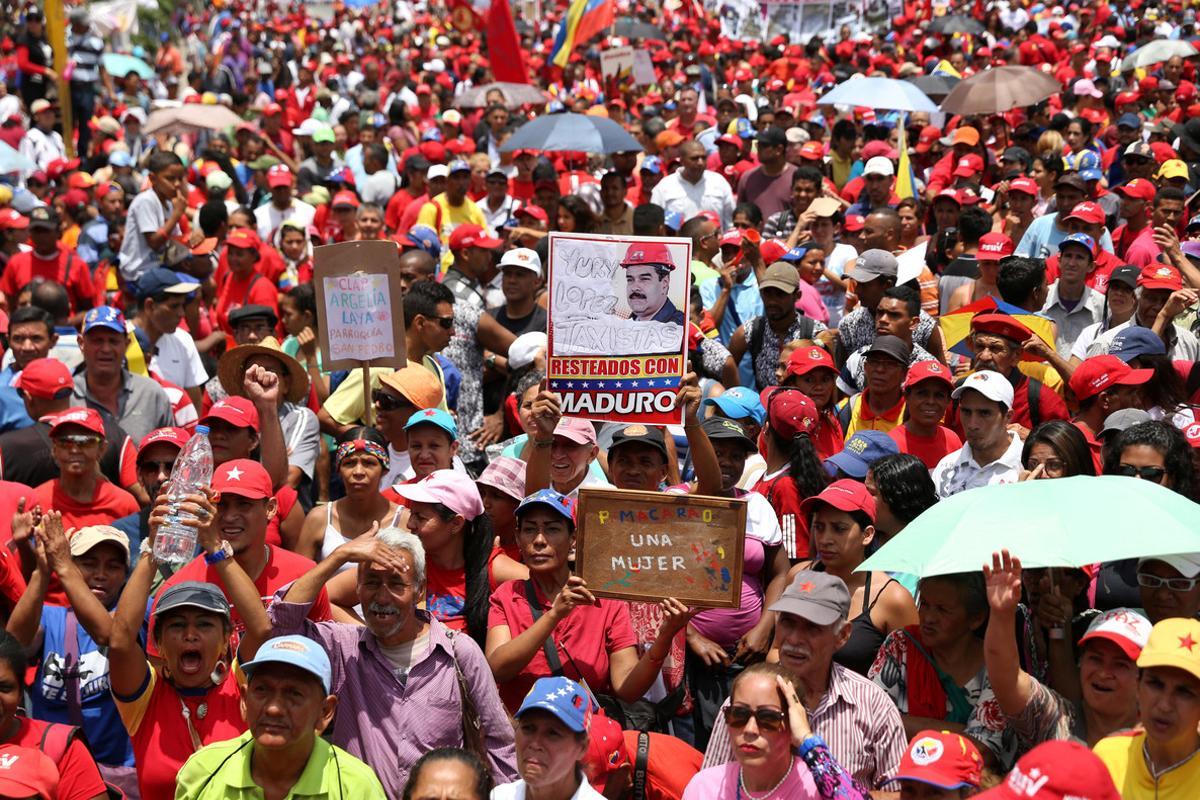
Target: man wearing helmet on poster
point(648, 270)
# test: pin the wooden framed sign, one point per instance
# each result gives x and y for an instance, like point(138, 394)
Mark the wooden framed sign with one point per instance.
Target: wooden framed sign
point(633, 545)
point(360, 308)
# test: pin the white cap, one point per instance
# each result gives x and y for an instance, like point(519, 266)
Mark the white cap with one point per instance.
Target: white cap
point(879, 165)
point(436, 65)
point(437, 171)
point(1124, 627)
point(522, 257)
point(452, 116)
point(525, 348)
point(992, 385)
point(797, 136)
point(1186, 564)
point(135, 112)
point(308, 127)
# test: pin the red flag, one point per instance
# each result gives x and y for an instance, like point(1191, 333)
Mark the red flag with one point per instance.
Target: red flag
point(504, 48)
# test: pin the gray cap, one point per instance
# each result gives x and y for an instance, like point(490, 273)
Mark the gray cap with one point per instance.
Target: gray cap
point(782, 276)
point(1125, 418)
point(874, 264)
point(193, 594)
point(1139, 150)
point(892, 346)
point(818, 597)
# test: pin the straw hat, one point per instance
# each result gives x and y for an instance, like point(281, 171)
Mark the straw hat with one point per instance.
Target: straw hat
point(232, 367)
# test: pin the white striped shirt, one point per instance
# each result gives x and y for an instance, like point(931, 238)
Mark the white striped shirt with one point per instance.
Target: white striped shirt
point(855, 718)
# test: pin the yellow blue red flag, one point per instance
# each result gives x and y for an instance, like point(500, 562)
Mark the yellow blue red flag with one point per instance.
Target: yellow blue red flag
point(584, 19)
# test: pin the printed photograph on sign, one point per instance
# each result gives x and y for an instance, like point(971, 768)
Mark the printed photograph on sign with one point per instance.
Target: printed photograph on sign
point(618, 325)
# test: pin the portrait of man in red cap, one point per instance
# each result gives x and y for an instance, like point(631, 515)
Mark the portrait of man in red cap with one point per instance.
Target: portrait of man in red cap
point(648, 267)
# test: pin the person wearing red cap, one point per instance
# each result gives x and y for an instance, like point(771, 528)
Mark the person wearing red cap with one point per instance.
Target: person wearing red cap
point(154, 215)
point(990, 250)
point(662, 764)
point(243, 284)
point(996, 344)
point(1070, 302)
point(1166, 209)
point(472, 267)
point(1088, 218)
point(1103, 385)
point(812, 371)
point(452, 208)
point(79, 492)
point(1160, 299)
point(49, 259)
point(284, 204)
point(940, 765)
point(927, 389)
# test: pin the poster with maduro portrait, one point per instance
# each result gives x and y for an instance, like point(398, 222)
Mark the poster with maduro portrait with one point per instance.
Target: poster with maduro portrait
point(618, 309)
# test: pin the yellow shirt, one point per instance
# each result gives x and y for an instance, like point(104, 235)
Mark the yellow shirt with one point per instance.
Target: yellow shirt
point(345, 405)
point(1043, 373)
point(444, 218)
point(1122, 754)
point(862, 419)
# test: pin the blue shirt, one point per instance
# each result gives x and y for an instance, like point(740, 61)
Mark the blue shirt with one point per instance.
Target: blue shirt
point(744, 303)
point(12, 407)
point(93, 238)
point(102, 725)
point(1042, 238)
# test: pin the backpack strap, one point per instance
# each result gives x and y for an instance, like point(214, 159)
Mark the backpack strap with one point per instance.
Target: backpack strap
point(56, 738)
point(246, 299)
point(549, 647)
point(640, 763)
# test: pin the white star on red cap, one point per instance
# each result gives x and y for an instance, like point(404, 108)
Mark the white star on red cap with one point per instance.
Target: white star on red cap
point(234, 474)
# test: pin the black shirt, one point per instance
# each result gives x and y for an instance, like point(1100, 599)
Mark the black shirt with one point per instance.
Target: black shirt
point(536, 320)
point(27, 456)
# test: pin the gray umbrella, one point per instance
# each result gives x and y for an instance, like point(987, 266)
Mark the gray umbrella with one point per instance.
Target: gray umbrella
point(572, 132)
point(956, 24)
point(1000, 89)
point(634, 28)
point(935, 85)
point(515, 95)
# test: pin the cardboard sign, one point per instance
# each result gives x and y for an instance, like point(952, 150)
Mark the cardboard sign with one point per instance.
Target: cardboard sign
point(616, 62)
point(643, 68)
point(645, 546)
point(618, 325)
point(360, 310)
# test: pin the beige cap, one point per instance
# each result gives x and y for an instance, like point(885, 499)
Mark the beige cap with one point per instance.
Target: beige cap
point(824, 206)
point(782, 276)
point(85, 539)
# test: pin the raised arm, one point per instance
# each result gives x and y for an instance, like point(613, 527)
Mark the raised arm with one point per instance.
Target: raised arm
point(264, 390)
point(1012, 686)
point(704, 458)
point(26, 618)
point(92, 614)
point(546, 413)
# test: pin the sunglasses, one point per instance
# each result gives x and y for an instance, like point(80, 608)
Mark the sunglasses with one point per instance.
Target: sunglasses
point(446, 322)
point(387, 402)
point(1148, 581)
point(1154, 474)
point(78, 439)
point(768, 719)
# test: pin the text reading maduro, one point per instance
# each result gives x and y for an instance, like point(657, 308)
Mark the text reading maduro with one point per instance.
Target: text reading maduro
point(646, 546)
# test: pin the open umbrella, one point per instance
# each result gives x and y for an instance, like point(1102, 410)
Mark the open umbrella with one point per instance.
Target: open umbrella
point(956, 326)
point(1067, 522)
point(634, 28)
point(935, 85)
point(572, 132)
point(878, 93)
point(1157, 52)
point(120, 65)
point(956, 24)
point(190, 118)
point(1000, 89)
point(12, 160)
point(515, 95)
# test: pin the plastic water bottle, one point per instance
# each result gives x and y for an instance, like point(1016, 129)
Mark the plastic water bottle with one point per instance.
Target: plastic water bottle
point(175, 542)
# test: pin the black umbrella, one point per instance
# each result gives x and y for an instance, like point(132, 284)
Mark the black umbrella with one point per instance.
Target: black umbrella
point(634, 28)
point(935, 85)
point(957, 24)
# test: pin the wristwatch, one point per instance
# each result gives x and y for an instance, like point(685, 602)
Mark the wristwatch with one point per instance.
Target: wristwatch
point(220, 554)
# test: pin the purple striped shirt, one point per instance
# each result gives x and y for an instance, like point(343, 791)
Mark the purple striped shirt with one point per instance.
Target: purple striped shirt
point(858, 722)
point(389, 725)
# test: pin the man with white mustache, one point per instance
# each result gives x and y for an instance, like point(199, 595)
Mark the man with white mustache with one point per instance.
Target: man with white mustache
point(856, 719)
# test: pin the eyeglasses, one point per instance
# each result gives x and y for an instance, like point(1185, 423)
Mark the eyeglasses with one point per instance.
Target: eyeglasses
point(1051, 466)
point(768, 719)
point(1148, 581)
point(387, 402)
point(1154, 474)
point(446, 322)
point(77, 439)
point(157, 466)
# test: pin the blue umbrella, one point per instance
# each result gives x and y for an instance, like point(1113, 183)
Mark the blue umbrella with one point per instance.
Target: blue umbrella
point(879, 93)
point(578, 132)
point(12, 161)
point(119, 65)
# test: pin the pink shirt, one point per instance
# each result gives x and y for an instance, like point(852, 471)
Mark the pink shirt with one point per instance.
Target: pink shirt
point(810, 303)
point(721, 783)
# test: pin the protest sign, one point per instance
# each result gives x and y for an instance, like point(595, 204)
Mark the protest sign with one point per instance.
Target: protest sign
point(634, 545)
point(616, 62)
point(618, 325)
point(643, 68)
point(360, 308)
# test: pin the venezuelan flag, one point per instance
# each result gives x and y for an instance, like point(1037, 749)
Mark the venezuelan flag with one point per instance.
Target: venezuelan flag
point(584, 19)
point(906, 181)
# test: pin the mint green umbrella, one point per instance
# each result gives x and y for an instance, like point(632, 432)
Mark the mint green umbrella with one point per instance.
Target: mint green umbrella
point(1068, 522)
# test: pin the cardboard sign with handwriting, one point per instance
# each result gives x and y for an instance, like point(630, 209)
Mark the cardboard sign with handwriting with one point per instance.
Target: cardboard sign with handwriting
point(360, 309)
point(645, 546)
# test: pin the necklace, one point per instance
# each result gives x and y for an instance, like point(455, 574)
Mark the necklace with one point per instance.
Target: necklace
point(743, 790)
point(1156, 773)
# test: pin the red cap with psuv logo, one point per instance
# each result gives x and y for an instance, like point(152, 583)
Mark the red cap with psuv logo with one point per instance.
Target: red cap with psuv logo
point(1023, 185)
point(237, 411)
point(176, 437)
point(243, 477)
point(1056, 770)
point(1160, 276)
point(86, 418)
point(927, 371)
point(994, 247)
point(1088, 212)
point(806, 359)
point(1099, 373)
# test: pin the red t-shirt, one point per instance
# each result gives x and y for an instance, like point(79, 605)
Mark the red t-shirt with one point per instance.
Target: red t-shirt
point(670, 764)
point(108, 503)
point(286, 499)
point(930, 449)
point(236, 292)
point(1095, 446)
point(396, 207)
point(589, 634)
point(446, 595)
point(66, 268)
point(78, 776)
point(784, 496)
point(283, 567)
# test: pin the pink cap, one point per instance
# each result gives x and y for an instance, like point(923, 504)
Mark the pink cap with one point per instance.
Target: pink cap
point(577, 430)
point(453, 489)
point(505, 474)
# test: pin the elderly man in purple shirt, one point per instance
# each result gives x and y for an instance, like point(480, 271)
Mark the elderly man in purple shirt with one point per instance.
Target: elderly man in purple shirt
point(396, 682)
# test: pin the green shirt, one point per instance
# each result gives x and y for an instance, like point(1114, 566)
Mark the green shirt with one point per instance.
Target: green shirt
point(221, 771)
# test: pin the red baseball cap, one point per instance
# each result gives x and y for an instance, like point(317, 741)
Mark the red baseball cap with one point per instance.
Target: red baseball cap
point(537, 212)
point(1160, 276)
point(929, 135)
point(994, 247)
point(271, 109)
point(1138, 188)
point(948, 194)
point(606, 751)
point(855, 222)
point(471, 235)
point(279, 175)
point(237, 411)
point(789, 411)
point(927, 371)
point(45, 378)
point(27, 772)
point(772, 250)
point(1023, 185)
point(844, 495)
point(1123, 627)
point(344, 198)
point(11, 219)
point(1099, 373)
point(1192, 434)
point(812, 151)
point(1056, 770)
point(244, 238)
point(730, 139)
point(968, 166)
point(1088, 212)
point(939, 758)
point(172, 436)
point(805, 359)
point(243, 477)
point(87, 418)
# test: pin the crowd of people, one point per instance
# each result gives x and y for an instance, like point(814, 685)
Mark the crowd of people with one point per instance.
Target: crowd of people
point(886, 311)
